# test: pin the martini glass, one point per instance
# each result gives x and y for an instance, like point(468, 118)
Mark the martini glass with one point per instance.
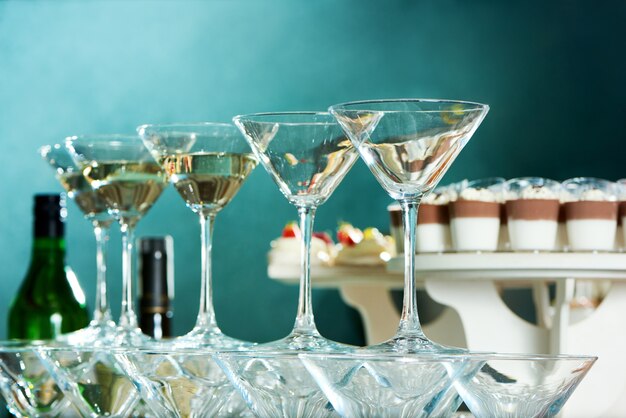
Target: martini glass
point(101, 329)
point(521, 385)
point(123, 172)
point(409, 145)
point(207, 163)
point(307, 155)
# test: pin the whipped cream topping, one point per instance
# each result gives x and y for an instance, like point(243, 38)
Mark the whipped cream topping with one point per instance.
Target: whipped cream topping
point(591, 195)
point(534, 192)
point(434, 198)
point(482, 195)
point(595, 195)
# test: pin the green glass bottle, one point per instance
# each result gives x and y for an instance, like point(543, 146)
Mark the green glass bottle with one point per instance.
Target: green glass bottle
point(50, 301)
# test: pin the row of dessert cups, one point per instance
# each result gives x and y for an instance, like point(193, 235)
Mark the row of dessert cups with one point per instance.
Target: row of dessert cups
point(522, 214)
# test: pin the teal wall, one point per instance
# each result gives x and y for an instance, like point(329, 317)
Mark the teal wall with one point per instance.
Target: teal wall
point(552, 71)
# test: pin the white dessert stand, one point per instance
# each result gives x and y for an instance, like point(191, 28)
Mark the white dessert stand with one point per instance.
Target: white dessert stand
point(476, 317)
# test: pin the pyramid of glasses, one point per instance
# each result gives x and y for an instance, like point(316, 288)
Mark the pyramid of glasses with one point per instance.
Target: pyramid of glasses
point(116, 371)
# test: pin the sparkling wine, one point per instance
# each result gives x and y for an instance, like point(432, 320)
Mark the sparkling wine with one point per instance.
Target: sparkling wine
point(79, 189)
point(208, 181)
point(128, 188)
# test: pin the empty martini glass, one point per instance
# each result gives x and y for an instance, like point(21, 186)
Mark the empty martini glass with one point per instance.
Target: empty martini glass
point(101, 329)
point(207, 163)
point(123, 172)
point(307, 155)
point(408, 145)
point(521, 385)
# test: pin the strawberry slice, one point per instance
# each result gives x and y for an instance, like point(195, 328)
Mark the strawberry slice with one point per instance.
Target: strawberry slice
point(291, 230)
point(324, 237)
point(348, 235)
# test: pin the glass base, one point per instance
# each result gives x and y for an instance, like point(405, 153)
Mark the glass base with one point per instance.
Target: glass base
point(413, 345)
point(300, 341)
point(210, 338)
point(131, 337)
point(96, 334)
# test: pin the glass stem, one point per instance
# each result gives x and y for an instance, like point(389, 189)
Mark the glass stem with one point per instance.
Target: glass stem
point(409, 319)
point(102, 312)
point(128, 316)
point(206, 315)
point(305, 323)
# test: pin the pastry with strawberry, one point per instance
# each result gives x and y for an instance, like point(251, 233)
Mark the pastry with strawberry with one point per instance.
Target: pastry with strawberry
point(363, 248)
point(285, 250)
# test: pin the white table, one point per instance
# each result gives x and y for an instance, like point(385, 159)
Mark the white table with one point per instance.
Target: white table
point(476, 317)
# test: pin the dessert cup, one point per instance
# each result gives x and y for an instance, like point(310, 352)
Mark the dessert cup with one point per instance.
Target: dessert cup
point(475, 215)
point(621, 231)
point(591, 211)
point(395, 226)
point(433, 223)
point(532, 208)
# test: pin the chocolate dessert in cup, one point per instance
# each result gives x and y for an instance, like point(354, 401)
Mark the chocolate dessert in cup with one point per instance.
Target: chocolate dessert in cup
point(591, 214)
point(475, 215)
point(532, 208)
point(621, 233)
point(433, 223)
point(562, 243)
point(395, 226)
point(408, 145)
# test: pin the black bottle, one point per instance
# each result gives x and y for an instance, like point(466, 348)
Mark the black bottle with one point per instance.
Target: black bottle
point(156, 286)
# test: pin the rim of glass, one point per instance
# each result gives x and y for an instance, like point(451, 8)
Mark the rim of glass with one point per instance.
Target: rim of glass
point(254, 117)
point(475, 105)
point(101, 138)
point(527, 357)
point(184, 125)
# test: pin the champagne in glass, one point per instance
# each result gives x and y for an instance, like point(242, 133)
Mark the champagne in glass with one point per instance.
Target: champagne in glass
point(123, 173)
point(101, 330)
point(207, 163)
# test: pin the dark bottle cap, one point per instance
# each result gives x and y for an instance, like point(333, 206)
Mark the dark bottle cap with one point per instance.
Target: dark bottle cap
point(155, 272)
point(50, 213)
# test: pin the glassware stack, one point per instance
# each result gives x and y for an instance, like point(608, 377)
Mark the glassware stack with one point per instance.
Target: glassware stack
point(408, 145)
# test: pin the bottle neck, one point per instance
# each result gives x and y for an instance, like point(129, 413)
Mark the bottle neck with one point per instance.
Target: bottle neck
point(52, 248)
